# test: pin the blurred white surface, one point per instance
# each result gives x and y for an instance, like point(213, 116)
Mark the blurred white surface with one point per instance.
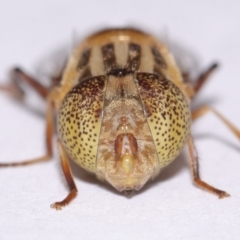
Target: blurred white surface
point(169, 207)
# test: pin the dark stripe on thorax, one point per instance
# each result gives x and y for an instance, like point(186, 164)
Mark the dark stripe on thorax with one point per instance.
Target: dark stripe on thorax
point(83, 65)
point(132, 64)
point(109, 58)
point(84, 59)
point(85, 74)
point(159, 61)
point(134, 56)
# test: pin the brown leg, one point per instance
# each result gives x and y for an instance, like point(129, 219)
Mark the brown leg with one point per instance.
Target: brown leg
point(205, 109)
point(14, 88)
point(204, 77)
point(68, 175)
point(49, 134)
point(195, 172)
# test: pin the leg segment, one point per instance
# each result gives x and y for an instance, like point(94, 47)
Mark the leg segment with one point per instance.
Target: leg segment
point(195, 172)
point(204, 77)
point(14, 88)
point(205, 109)
point(68, 175)
point(49, 134)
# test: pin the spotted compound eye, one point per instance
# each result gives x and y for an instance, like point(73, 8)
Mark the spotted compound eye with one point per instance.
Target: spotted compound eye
point(79, 121)
point(168, 115)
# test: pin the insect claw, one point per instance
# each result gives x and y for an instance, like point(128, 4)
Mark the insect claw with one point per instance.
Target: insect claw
point(223, 194)
point(56, 205)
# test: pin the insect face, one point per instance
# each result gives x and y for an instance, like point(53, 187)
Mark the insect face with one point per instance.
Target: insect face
point(125, 129)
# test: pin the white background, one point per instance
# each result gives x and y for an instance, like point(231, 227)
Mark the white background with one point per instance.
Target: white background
point(170, 207)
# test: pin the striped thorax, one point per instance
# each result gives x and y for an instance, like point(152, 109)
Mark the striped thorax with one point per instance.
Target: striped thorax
point(123, 110)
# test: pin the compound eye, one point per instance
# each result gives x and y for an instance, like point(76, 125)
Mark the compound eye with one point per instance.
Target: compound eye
point(79, 121)
point(168, 115)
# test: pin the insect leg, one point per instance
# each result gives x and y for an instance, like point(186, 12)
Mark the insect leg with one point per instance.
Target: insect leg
point(205, 109)
point(204, 77)
point(16, 91)
point(48, 139)
point(195, 172)
point(68, 175)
